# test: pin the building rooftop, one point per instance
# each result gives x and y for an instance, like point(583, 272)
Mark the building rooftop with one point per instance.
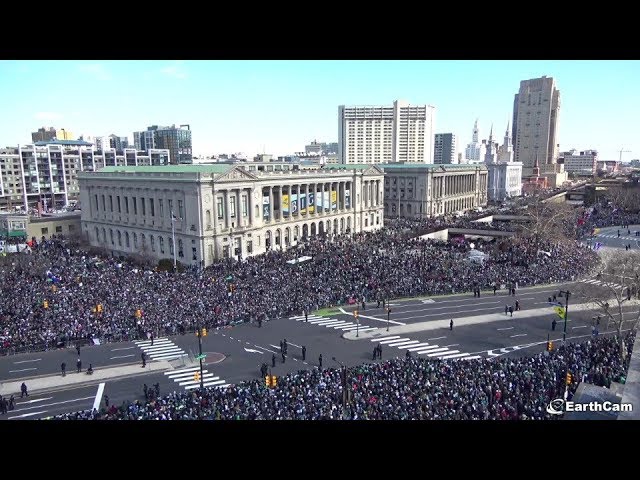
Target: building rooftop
point(74, 143)
point(204, 168)
point(355, 166)
point(447, 166)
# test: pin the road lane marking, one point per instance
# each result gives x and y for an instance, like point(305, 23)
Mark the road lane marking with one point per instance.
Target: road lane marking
point(580, 326)
point(506, 328)
point(384, 342)
point(386, 338)
point(426, 349)
point(124, 348)
point(28, 361)
point(27, 414)
point(442, 354)
point(55, 403)
point(289, 343)
point(433, 352)
point(455, 355)
point(419, 346)
point(264, 348)
point(453, 345)
point(518, 335)
point(22, 370)
point(35, 400)
point(122, 356)
point(436, 338)
point(96, 402)
point(400, 343)
point(183, 370)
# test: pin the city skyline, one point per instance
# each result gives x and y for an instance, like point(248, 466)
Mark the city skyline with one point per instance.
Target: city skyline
point(278, 107)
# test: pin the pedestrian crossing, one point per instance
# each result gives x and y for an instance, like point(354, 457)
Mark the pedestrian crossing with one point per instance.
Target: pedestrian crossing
point(594, 281)
point(185, 377)
point(427, 349)
point(162, 349)
point(333, 323)
point(621, 237)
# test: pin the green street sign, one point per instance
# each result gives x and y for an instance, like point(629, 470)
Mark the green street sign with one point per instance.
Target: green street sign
point(201, 357)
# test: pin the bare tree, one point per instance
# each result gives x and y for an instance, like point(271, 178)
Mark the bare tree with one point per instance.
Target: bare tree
point(550, 221)
point(624, 197)
point(619, 287)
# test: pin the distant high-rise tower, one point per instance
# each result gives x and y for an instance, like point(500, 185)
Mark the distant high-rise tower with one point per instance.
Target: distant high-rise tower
point(176, 139)
point(47, 134)
point(475, 150)
point(385, 134)
point(535, 124)
point(445, 148)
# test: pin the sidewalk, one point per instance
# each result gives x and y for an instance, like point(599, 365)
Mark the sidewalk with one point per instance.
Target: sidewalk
point(460, 322)
point(56, 381)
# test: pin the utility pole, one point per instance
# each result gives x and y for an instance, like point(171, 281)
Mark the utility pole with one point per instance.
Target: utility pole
point(202, 332)
point(566, 293)
point(345, 393)
point(621, 152)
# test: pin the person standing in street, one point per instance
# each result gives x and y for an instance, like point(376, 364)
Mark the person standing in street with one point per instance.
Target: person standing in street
point(304, 353)
point(145, 389)
point(320, 360)
point(451, 324)
point(78, 349)
point(143, 356)
point(79, 365)
point(23, 390)
point(63, 367)
point(306, 315)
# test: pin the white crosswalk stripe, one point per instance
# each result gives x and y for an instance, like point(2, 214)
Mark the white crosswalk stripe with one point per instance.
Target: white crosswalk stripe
point(162, 349)
point(186, 377)
point(333, 323)
point(594, 281)
point(425, 348)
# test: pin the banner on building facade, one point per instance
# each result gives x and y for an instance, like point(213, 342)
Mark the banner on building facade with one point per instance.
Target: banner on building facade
point(302, 203)
point(265, 208)
point(334, 200)
point(319, 201)
point(311, 205)
point(294, 203)
point(285, 204)
point(347, 199)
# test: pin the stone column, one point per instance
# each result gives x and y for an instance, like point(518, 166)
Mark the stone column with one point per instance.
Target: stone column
point(239, 206)
point(227, 210)
point(330, 196)
point(250, 204)
point(270, 204)
point(306, 197)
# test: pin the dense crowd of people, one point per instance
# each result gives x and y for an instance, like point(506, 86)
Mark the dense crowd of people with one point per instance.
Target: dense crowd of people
point(59, 293)
point(399, 389)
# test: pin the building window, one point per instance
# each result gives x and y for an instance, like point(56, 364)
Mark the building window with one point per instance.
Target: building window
point(135, 206)
point(111, 237)
point(170, 242)
point(220, 207)
point(104, 209)
point(110, 203)
point(180, 209)
point(152, 207)
point(153, 243)
point(249, 247)
point(210, 253)
point(104, 235)
point(232, 203)
point(44, 231)
point(161, 207)
point(126, 240)
point(194, 253)
point(119, 238)
point(58, 228)
point(118, 200)
point(180, 248)
point(95, 199)
point(126, 205)
point(97, 234)
point(245, 206)
point(170, 205)
point(161, 242)
point(135, 240)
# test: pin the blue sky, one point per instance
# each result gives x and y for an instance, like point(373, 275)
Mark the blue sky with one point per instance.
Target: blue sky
point(279, 106)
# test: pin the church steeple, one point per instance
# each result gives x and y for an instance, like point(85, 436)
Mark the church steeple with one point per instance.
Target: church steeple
point(536, 167)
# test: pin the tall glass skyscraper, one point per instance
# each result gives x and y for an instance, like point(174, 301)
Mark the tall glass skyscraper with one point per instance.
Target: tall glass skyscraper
point(175, 139)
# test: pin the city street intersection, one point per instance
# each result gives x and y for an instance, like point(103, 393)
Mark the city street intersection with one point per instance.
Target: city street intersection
point(421, 326)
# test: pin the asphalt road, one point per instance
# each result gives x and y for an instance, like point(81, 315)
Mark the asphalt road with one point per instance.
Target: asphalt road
point(234, 354)
point(608, 236)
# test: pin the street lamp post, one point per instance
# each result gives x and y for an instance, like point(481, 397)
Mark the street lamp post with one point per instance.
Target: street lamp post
point(200, 333)
point(388, 315)
point(355, 314)
point(566, 293)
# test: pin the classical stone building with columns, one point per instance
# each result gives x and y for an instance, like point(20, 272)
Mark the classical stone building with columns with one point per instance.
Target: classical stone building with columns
point(420, 191)
point(223, 211)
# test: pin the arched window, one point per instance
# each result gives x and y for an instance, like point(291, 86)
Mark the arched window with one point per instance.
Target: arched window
point(143, 240)
point(135, 240)
point(208, 218)
point(111, 236)
point(119, 238)
point(97, 234)
point(180, 248)
point(170, 242)
point(126, 240)
point(161, 242)
point(153, 243)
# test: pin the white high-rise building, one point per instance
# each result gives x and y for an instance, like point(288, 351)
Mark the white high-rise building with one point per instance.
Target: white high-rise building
point(583, 163)
point(475, 150)
point(505, 176)
point(445, 149)
point(386, 134)
point(535, 124)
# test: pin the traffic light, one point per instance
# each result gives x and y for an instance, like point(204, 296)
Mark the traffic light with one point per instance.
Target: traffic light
point(204, 332)
point(355, 314)
point(196, 376)
point(569, 378)
point(99, 307)
point(138, 313)
point(274, 381)
point(549, 346)
point(267, 381)
point(45, 304)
